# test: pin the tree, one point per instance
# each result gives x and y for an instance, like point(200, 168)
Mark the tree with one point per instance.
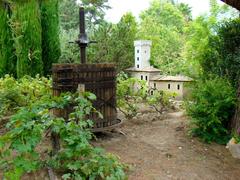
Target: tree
point(122, 39)
point(69, 22)
point(50, 34)
point(7, 58)
point(69, 14)
point(115, 42)
point(26, 29)
point(163, 24)
point(94, 10)
point(186, 11)
point(223, 60)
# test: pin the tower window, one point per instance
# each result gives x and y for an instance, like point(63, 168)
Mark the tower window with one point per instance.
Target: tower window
point(146, 78)
point(151, 92)
point(178, 86)
point(145, 52)
point(138, 58)
point(138, 66)
point(169, 86)
point(154, 85)
point(138, 51)
point(141, 77)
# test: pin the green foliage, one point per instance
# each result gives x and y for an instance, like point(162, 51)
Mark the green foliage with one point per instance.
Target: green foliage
point(163, 24)
point(115, 42)
point(69, 21)
point(236, 137)
point(7, 58)
point(26, 29)
point(19, 93)
point(211, 108)
point(94, 10)
point(50, 34)
point(160, 100)
point(77, 159)
point(200, 38)
point(69, 14)
point(129, 92)
point(69, 52)
point(224, 52)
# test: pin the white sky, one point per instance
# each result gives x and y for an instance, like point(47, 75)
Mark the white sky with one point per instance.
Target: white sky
point(120, 7)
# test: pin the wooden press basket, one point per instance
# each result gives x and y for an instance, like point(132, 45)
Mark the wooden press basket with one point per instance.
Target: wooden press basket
point(99, 79)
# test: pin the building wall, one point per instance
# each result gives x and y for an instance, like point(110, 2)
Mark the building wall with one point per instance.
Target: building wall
point(169, 86)
point(142, 76)
point(142, 54)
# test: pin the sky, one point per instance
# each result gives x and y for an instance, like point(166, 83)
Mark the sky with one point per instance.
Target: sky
point(120, 7)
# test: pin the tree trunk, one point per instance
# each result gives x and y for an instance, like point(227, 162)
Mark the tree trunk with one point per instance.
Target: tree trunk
point(235, 124)
point(55, 143)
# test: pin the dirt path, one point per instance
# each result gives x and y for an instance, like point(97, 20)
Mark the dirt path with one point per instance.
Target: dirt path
point(161, 149)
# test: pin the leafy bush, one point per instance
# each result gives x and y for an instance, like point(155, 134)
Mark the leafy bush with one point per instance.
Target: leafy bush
point(18, 93)
point(160, 100)
point(211, 108)
point(77, 158)
point(23, 148)
point(129, 92)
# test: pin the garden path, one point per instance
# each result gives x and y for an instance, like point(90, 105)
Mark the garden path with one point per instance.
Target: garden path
point(160, 148)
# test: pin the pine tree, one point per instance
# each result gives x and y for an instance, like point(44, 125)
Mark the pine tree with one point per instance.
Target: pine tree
point(50, 34)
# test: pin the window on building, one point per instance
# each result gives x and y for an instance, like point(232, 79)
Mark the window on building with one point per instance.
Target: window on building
point(169, 86)
point(154, 85)
point(138, 58)
point(141, 77)
point(138, 51)
point(178, 86)
point(146, 78)
point(145, 52)
point(138, 66)
point(151, 92)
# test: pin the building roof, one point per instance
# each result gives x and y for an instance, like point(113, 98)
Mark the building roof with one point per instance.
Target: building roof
point(142, 43)
point(233, 3)
point(146, 69)
point(178, 78)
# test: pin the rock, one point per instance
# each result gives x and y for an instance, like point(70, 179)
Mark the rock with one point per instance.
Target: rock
point(234, 148)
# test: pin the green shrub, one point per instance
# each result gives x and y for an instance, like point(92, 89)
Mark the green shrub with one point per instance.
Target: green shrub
point(76, 159)
point(18, 93)
point(211, 109)
point(160, 100)
point(129, 92)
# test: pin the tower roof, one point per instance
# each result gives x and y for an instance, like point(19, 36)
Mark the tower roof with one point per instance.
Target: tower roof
point(142, 43)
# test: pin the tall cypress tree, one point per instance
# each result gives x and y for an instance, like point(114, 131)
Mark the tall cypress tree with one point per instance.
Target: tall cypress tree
point(50, 34)
point(7, 57)
point(27, 31)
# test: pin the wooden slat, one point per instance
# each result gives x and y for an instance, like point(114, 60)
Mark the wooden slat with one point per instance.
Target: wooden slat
point(99, 79)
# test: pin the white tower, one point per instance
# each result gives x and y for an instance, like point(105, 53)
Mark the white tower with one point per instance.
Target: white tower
point(142, 53)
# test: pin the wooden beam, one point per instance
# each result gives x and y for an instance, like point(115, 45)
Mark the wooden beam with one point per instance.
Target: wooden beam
point(233, 3)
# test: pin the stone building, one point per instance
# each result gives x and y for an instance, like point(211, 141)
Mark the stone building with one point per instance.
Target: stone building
point(155, 81)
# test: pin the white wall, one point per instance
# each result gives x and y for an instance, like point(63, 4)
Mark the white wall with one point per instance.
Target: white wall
point(163, 85)
point(142, 54)
point(141, 76)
